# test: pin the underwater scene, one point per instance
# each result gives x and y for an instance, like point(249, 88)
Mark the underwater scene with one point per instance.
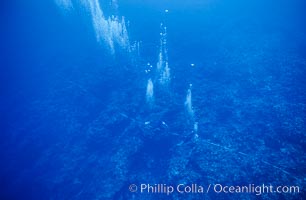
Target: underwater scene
point(153, 99)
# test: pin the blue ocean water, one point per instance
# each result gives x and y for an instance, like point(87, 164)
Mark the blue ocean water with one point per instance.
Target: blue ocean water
point(129, 99)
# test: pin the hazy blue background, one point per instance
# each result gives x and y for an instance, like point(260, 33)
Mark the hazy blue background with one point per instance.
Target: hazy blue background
point(73, 114)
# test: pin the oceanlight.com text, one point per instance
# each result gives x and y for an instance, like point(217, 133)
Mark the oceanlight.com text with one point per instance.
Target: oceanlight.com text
point(193, 188)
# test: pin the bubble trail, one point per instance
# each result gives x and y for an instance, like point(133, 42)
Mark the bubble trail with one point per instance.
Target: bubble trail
point(150, 92)
point(163, 64)
point(188, 102)
point(110, 30)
